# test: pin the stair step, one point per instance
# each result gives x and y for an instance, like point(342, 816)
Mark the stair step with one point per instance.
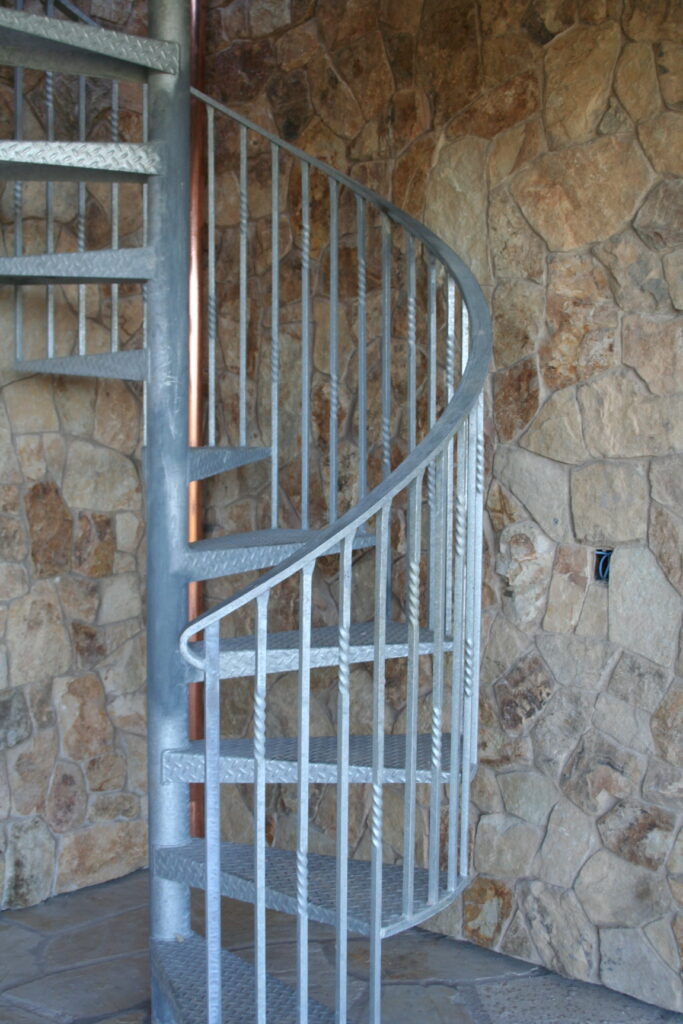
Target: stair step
point(205, 462)
point(179, 969)
point(238, 655)
point(258, 549)
point(237, 760)
point(109, 365)
point(100, 265)
point(77, 161)
point(49, 44)
point(187, 864)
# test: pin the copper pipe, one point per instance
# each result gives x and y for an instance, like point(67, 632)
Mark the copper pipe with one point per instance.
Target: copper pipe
point(195, 595)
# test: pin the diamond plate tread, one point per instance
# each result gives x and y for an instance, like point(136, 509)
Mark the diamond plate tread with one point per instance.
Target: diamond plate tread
point(49, 44)
point(109, 365)
point(186, 864)
point(237, 760)
point(205, 462)
point(243, 552)
point(84, 267)
point(238, 655)
point(179, 969)
point(86, 161)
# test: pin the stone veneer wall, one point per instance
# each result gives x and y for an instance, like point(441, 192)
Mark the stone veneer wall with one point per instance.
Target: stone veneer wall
point(72, 672)
point(544, 141)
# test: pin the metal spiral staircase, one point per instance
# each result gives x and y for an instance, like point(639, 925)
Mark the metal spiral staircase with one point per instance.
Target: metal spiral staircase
point(381, 492)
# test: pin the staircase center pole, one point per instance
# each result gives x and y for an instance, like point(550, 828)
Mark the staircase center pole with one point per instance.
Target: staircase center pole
point(167, 518)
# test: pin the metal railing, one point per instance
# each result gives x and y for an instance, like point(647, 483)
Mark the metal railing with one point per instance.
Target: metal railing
point(433, 315)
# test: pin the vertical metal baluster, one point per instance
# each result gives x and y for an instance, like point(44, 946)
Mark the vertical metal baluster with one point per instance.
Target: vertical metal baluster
point(431, 410)
point(18, 206)
point(49, 199)
point(456, 784)
point(362, 352)
point(343, 714)
point(211, 271)
point(412, 351)
point(414, 542)
point(260, 801)
point(244, 229)
point(478, 553)
point(378, 687)
point(115, 219)
point(386, 345)
point(275, 336)
point(213, 823)
point(334, 383)
point(81, 218)
point(305, 338)
point(437, 587)
point(145, 236)
point(450, 391)
point(303, 753)
point(470, 555)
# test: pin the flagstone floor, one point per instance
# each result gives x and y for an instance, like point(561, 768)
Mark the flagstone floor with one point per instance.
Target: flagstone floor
point(81, 959)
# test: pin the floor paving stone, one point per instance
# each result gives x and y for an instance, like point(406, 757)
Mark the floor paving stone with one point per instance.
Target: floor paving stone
point(19, 954)
point(122, 934)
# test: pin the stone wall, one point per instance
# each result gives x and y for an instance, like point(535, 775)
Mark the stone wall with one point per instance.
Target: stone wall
point(72, 673)
point(543, 141)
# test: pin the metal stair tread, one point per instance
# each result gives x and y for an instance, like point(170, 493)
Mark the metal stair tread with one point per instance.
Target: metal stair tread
point(134, 264)
point(50, 44)
point(180, 971)
point(238, 654)
point(211, 460)
point(187, 864)
point(254, 549)
point(129, 365)
point(237, 760)
point(67, 161)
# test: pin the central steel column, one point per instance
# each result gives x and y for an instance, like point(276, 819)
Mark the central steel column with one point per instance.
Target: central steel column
point(166, 462)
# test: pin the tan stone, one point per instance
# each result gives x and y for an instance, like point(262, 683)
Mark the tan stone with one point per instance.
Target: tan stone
point(30, 863)
point(120, 598)
point(555, 431)
point(100, 853)
point(487, 905)
point(635, 274)
point(638, 681)
point(639, 833)
point(615, 120)
point(659, 221)
point(117, 416)
point(484, 792)
point(635, 81)
point(614, 892)
point(673, 271)
point(653, 20)
point(128, 711)
point(565, 601)
point(340, 23)
point(518, 320)
point(662, 140)
point(136, 762)
point(570, 838)
point(578, 77)
point(409, 116)
point(542, 486)
point(667, 726)
point(627, 724)
point(600, 772)
point(106, 772)
point(559, 929)
point(670, 71)
point(517, 941)
point(125, 671)
point(267, 16)
point(502, 508)
point(447, 58)
point(514, 101)
point(621, 420)
point(661, 937)
point(110, 806)
point(583, 194)
point(30, 405)
point(36, 635)
point(455, 204)
point(576, 662)
point(655, 349)
point(13, 581)
point(84, 725)
point(517, 251)
point(504, 846)
point(333, 100)
point(12, 540)
point(644, 609)
point(505, 644)
point(50, 528)
point(497, 748)
point(100, 479)
point(525, 561)
point(94, 545)
point(507, 55)
point(663, 784)
point(30, 767)
point(296, 47)
point(629, 964)
point(515, 397)
point(9, 466)
point(67, 799)
point(364, 65)
point(514, 148)
point(79, 597)
point(610, 502)
point(523, 693)
point(665, 538)
point(528, 795)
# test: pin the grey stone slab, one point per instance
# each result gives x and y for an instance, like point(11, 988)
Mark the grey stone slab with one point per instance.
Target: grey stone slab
point(408, 1004)
point(123, 934)
point(132, 1017)
point(19, 954)
point(421, 956)
point(73, 909)
point(87, 992)
point(554, 1000)
point(12, 1015)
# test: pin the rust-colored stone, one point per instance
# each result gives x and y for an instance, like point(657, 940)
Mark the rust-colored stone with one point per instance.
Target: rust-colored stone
point(50, 528)
point(106, 772)
point(487, 905)
point(85, 727)
point(514, 101)
point(411, 174)
point(639, 833)
point(515, 398)
point(67, 798)
point(447, 56)
point(240, 72)
point(94, 545)
point(523, 693)
point(290, 102)
point(365, 67)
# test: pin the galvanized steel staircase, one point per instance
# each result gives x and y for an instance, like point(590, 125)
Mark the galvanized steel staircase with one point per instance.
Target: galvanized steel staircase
point(418, 347)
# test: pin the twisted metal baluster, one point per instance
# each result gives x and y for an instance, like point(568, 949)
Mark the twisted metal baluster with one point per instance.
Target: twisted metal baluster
point(81, 219)
point(212, 812)
point(413, 683)
point(275, 335)
point(49, 199)
point(305, 339)
point(260, 802)
point(18, 199)
point(303, 755)
point(244, 316)
point(115, 219)
point(386, 346)
point(362, 352)
point(343, 715)
point(437, 594)
point(458, 724)
point(334, 383)
point(412, 348)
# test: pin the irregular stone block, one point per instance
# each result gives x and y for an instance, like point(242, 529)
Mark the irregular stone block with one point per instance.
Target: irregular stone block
point(635, 81)
point(570, 838)
point(517, 251)
point(541, 485)
point(85, 727)
point(30, 863)
point(109, 806)
point(100, 479)
point(13, 581)
point(512, 102)
point(629, 964)
point(663, 783)
point(614, 892)
point(638, 832)
point(667, 725)
point(559, 929)
point(528, 795)
point(665, 538)
point(502, 508)
point(50, 528)
point(525, 560)
point(515, 148)
point(67, 799)
point(517, 941)
point(523, 693)
point(565, 601)
point(487, 905)
point(30, 405)
point(94, 545)
point(593, 618)
point(626, 724)
point(504, 646)
point(117, 416)
point(666, 480)
point(578, 79)
point(30, 770)
point(583, 194)
point(599, 772)
point(636, 276)
point(554, 735)
point(638, 681)
point(670, 71)
point(100, 853)
point(496, 747)
point(622, 420)
point(241, 70)
point(659, 221)
point(610, 502)
point(661, 936)
point(575, 661)
point(484, 791)
point(518, 320)
point(106, 772)
point(120, 598)
point(655, 349)
point(662, 140)
point(447, 57)
point(644, 609)
point(555, 431)
point(504, 846)
point(673, 271)
point(15, 721)
point(515, 398)
point(364, 65)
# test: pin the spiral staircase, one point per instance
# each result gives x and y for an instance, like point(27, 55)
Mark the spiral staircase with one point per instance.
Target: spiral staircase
point(374, 483)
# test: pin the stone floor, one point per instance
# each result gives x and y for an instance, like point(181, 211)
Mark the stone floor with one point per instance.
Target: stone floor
point(81, 959)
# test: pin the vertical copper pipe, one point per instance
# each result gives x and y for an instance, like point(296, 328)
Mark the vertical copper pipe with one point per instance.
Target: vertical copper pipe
point(196, 384)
